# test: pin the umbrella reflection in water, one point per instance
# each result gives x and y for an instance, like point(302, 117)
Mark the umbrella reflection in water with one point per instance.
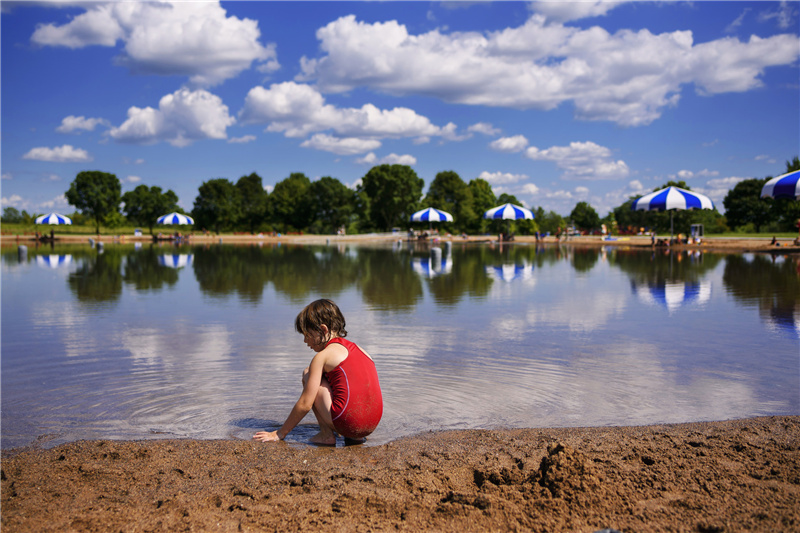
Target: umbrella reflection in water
point(175, 260)
point(673, 294)
point(510, 272)
point(53, 260)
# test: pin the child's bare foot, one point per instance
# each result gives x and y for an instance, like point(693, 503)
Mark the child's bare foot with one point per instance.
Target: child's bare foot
point(323, 439)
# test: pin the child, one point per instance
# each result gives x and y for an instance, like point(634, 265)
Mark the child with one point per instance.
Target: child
point(340, 385)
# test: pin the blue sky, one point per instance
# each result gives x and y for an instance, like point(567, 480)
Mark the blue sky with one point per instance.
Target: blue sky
point(555, 103)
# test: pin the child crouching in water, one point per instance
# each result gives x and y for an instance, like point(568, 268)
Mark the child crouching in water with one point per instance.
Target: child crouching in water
point(340, 385)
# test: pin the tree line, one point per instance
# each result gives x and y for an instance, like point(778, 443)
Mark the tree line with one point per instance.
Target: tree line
point(385, 199)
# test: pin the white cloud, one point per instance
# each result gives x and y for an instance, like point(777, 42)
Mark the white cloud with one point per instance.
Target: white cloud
point(628, 77)
point(242, 140)
point(59, 154)
point(517, 143)
point(15, 200)
point(582, 160)
point(567, 11)
point(7, 176)
point(194, 39)
point(485, 128)
point(784, 15)
point(391, 159)
point(181, 118)
point(73, 123)
point(500, 178)
point(341, 146)
point(132, 179)
point(530, 188)
point(298, 110)
point(688, 174)
point(718, 188)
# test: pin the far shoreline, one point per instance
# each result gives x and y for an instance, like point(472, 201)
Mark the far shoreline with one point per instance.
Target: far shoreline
point(785, 245)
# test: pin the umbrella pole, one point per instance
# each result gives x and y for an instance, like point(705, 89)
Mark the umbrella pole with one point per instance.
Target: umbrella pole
point(671, 230)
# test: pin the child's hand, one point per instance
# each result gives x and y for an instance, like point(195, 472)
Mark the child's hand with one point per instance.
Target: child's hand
point(267, 436)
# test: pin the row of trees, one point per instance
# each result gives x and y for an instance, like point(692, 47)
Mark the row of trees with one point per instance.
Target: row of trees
point(386, 198)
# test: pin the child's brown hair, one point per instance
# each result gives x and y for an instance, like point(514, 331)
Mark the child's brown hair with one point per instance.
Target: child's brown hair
point(319, 313)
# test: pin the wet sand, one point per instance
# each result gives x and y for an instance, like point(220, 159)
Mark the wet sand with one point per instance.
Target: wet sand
point(741, 475)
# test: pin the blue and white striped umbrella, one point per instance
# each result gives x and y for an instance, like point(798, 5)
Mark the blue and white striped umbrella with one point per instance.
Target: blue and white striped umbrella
point(428, 267)
point(670, 199)
point(175, 260)
point(508, 212)
point(53, 219)
point(786, 186)
point(175, 218)
point(431, 214)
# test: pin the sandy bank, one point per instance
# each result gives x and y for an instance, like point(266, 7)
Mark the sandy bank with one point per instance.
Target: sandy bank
point(739, 475)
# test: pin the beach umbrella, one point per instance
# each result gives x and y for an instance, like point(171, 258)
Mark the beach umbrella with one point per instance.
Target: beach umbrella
point(430, 215)
point(508, 212)
point(175, 218)
point(670, 199)
point(53, 260)
point(785, 186)
point(175, 260)
point(429, 267)
point(54, 219)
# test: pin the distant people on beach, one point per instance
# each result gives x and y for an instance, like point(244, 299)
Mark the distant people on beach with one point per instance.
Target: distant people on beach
point(340, 384)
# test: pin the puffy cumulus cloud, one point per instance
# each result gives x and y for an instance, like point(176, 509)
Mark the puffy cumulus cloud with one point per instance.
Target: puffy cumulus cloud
point(72, 123)
point(340, 146)
point(60, 154)
point(298, 110)
point(718, 188)
point(391, 159)
point(582, 160)
point(517, 143)
point(194, 39)
point(182, 117)
point(628, 77)
point(502, 178)
point(132, 179)
point(530, 189)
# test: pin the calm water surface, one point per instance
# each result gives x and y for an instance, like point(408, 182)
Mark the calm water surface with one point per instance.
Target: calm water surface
point(144, 341)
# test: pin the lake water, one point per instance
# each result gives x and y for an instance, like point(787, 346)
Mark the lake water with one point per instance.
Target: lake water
point(137, 342)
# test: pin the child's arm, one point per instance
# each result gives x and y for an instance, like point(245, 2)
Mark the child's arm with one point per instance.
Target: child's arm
point(303, 405)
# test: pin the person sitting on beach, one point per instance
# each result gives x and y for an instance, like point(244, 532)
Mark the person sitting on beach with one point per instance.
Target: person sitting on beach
point(340, 384)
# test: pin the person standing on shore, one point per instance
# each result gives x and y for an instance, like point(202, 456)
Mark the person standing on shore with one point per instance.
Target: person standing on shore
point(340, 384)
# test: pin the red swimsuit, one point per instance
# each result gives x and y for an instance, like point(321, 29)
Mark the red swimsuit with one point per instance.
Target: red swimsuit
point(357, 402)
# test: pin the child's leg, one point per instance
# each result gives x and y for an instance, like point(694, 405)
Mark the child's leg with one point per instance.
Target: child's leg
point(322, 410)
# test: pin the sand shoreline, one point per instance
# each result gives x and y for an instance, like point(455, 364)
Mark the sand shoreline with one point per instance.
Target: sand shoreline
point(740, 475)
point(711, 244)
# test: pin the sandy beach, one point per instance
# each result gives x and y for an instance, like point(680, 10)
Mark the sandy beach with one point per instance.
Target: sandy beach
point(741, 475)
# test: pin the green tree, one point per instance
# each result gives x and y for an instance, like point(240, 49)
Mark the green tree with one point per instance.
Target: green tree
point(331, 205)
point(744, 205)
point(585, 217)
point(394, 192)
point(216, 205)
point(11, 215)
point(96, 194)
point(253, 198)
point(450, 193)
point(483, 199)
point(288, 203)
point(549, 221)
point(143, 205)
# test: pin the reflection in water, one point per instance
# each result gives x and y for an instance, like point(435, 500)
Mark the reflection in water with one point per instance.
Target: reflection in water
point(672, 294)
point(119, 345)
point(53, 260)
point(773, 285)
